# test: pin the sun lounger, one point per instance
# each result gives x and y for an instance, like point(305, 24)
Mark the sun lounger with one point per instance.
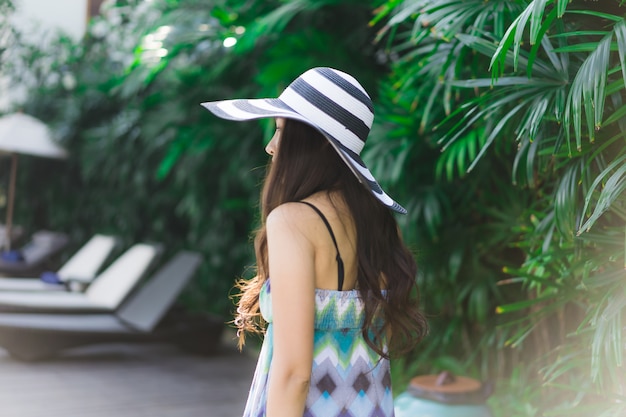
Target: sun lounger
point(33, 256)
point(76, 273)
point(105, 294)
point(139, 319)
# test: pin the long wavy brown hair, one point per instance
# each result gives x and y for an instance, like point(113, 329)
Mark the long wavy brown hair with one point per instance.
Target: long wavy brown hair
point(306, 163)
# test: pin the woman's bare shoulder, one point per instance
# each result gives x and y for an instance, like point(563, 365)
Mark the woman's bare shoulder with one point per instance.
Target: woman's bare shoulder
point(296, 216)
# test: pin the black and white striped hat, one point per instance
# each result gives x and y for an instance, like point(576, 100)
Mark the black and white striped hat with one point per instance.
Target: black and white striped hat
point(331, 101)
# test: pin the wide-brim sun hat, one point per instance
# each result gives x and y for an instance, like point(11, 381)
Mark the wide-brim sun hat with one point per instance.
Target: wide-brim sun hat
point(329, 100)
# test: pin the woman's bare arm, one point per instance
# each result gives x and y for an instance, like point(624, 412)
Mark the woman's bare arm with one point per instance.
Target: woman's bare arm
point(292, 275)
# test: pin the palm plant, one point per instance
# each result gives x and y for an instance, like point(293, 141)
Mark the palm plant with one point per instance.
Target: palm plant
point(460, 227)
point(551, 110)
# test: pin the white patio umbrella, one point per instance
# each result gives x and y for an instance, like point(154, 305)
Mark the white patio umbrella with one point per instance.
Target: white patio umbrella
point(23, 134)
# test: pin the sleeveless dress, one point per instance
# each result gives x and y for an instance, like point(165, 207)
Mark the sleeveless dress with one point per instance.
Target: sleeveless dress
point(348, 378)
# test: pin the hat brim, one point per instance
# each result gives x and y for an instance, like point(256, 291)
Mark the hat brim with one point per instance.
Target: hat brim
point(260, 108)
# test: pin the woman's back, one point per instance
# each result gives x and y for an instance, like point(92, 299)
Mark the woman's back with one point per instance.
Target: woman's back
point(347, 376)
point(342, 233)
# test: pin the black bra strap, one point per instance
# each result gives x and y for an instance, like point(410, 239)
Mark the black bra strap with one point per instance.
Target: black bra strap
point(332, 235)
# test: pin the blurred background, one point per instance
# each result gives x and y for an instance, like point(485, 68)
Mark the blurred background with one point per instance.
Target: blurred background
point(500, 126)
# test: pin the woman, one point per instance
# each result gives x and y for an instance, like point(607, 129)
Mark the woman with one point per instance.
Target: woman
point(342, 294)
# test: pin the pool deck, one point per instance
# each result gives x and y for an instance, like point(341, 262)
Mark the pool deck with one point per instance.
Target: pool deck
point(127, 380)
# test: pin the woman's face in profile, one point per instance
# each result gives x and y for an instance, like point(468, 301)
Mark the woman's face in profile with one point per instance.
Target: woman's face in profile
point(272, 146)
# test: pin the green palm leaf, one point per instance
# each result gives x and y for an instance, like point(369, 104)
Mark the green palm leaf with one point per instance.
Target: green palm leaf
point(620, 35)
point(513, 36)
point(534, 13)
point(565, 200)
point(460, 155)
point(588, 91)
point(613, 180)
point(594, 13)
point(607, 347)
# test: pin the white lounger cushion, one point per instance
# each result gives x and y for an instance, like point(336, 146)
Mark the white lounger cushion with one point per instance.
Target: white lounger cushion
point(114, 284)
point(86, 263)
point(106, 292)
point(82, 266)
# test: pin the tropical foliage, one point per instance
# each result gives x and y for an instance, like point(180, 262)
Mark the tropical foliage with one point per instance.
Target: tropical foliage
point(525, 100)
point(500, 126)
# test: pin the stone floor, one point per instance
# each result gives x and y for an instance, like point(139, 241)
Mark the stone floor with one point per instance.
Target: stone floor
point(124, 380)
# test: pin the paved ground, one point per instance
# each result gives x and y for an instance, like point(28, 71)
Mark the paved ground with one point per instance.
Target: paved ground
point(127, 381)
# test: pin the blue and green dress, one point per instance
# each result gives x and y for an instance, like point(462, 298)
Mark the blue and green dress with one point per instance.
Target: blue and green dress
point(348, 378)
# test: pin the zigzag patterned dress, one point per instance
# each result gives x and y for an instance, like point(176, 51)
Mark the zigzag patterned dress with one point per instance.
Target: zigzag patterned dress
point(348, 378)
